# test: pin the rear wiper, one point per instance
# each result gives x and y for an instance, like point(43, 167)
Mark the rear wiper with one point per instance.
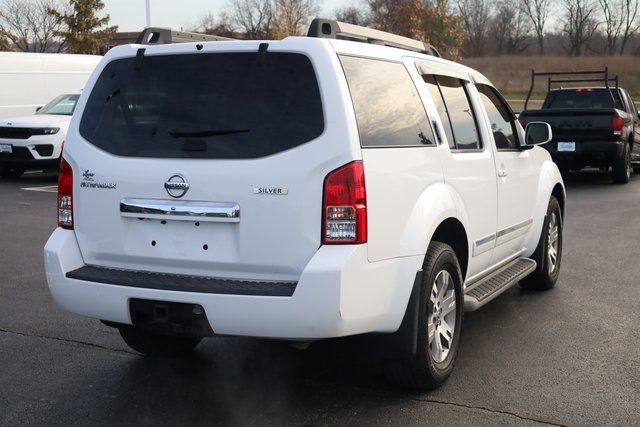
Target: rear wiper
point(186, 133)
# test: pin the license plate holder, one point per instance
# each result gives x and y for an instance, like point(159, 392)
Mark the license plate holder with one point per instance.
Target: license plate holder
point(6, 148)
point(567, 146)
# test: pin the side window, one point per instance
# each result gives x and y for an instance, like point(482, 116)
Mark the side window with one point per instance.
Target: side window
point(432, 84)
point(388, 109)
point(455, 111)
point(500, 117)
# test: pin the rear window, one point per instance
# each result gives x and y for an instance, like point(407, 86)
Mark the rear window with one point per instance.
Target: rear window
point(583, 98)
point(206, 105)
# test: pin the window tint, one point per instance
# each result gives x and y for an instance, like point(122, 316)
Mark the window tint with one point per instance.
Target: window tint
point(432, 84)
point(388, 109)
point(583, 98)
point(500, 118)
point(458, 115)
point(206, 105)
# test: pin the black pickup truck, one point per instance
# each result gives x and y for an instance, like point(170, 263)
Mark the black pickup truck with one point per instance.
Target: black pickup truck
point(592, 126)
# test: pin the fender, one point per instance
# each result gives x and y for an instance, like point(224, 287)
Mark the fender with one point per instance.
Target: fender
point(434, 205)
point(549, 178)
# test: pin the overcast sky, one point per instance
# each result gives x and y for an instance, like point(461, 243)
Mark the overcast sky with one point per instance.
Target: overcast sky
point(130, 15)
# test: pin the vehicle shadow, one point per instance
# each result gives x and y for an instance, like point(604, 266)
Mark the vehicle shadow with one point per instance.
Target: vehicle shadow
point(588, 178)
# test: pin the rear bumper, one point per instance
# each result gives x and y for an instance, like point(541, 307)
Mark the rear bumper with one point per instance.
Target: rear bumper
point(591, 153)
point(339, 293)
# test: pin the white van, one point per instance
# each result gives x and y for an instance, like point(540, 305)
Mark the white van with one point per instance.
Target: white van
point(30, 80)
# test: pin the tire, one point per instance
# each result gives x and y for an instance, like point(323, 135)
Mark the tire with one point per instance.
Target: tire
point(621, 170)
point(11, 172)
point(152, 344)
point(548, 254)
point(440, 322)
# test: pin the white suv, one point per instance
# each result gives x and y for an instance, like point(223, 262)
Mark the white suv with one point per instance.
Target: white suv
point(35, 142)
point(300, 189)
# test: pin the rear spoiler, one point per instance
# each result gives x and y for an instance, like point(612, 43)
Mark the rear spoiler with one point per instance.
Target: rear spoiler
point(597, 76)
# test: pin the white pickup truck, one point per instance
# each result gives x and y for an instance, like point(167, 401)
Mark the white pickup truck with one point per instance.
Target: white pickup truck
point(300, 190)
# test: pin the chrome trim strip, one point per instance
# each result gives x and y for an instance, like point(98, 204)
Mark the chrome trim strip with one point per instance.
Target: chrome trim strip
point(180, 210)
point(514, 228)
point(481, 242)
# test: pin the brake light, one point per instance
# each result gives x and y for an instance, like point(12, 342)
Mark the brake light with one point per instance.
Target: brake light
point(65, 196)
point(344, 206)
point(617, 126)
point(584, 89)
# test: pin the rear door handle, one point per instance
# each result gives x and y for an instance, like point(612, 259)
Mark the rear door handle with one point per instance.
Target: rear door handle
point(502, 173)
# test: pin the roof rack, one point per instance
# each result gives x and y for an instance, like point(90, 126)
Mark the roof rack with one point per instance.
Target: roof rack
point(330, 29)
point(156, 35)
point(592, 79)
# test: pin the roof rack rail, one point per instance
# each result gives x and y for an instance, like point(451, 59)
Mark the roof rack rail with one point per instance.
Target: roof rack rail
point(331, 29)
point(156, 35)
point(592, 79)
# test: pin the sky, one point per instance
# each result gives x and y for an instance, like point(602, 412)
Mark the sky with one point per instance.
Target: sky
point(130, 15)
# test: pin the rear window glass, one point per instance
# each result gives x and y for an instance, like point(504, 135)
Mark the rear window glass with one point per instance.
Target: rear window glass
point(583, 98)
point(388, 109)
point(207, 105)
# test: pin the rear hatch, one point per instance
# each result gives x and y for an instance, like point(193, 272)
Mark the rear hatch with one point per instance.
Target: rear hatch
point(208, 163)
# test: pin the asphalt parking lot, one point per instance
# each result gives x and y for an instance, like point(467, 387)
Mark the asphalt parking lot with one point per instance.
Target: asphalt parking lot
point(569, 356)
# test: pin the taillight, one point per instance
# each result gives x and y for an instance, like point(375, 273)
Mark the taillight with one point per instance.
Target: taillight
point(344, 206)
point(65, 196)
point(617, 126)
point(522, 121)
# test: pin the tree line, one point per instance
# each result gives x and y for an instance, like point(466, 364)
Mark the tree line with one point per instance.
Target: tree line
point(469, 28)
point(54, 26)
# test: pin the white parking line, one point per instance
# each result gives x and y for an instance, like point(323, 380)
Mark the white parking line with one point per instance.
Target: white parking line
point(45, 189)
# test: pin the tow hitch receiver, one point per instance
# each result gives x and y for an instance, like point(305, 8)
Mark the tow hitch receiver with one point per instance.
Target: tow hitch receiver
point(170, 318)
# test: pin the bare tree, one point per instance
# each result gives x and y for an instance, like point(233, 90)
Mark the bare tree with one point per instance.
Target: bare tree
point(4, 44)
point(510, 27)
point(292, 16)
point(629, 22)
point(253, 18)
point(580, 24)
point(476, 15)
point(391, 15)
point(352, 15)
point(538, 12)
point(27, 25)
point(612, 22)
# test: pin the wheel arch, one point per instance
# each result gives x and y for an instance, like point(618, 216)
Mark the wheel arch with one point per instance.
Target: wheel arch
point(452, 232)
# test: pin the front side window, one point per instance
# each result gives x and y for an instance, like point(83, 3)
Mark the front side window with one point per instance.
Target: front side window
point(500, 118)
point(388, 109)
point(204, 105)
point(452, 101)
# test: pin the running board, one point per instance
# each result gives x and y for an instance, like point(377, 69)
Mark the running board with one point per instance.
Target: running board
point(497, 282)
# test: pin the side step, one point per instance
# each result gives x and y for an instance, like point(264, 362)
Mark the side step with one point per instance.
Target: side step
point(496, 283)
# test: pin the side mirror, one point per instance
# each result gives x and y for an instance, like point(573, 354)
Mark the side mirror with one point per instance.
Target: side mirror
point(38, 109)
point(537, 133)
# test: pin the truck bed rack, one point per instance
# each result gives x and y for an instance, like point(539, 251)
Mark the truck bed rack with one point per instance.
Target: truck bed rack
point(594, 76)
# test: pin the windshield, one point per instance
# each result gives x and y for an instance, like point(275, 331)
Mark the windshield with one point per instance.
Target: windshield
point(62, 105)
